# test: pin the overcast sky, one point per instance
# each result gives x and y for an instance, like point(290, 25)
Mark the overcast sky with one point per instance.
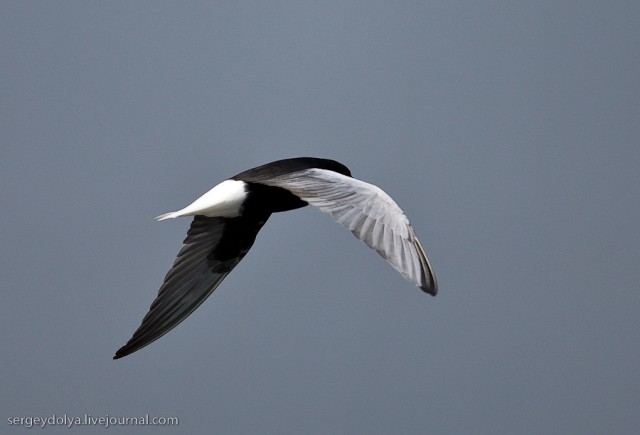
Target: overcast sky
point(508, 131)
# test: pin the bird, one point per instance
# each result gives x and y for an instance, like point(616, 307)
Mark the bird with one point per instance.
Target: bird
point(227, 219)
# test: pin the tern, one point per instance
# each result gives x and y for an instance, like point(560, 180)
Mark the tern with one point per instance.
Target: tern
point(228, 217)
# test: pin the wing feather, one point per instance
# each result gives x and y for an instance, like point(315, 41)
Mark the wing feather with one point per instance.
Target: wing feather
point(369, 213)
point(210, 252)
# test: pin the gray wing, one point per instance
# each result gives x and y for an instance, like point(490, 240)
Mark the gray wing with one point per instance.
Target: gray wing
point(213, 247)
point(369, 213)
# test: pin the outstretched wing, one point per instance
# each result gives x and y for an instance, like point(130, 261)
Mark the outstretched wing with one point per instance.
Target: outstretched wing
point(369, 213)
point(213, 247)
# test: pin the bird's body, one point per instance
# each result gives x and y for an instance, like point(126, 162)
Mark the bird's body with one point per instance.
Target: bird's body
point(228, 217)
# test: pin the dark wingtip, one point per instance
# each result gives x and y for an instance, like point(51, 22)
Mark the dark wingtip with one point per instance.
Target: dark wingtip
point(122, 352)
point(431, 285)
point(431, 289)
point(429, 282)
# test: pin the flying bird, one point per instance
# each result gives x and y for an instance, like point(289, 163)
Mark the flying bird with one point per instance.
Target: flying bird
point(228, 217)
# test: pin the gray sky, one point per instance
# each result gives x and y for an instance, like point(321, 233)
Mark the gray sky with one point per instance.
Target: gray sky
point(508, 131)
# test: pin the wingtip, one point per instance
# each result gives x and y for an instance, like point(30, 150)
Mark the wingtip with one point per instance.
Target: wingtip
point(432, 289)
point(125, 350)
point(429, 284)
point(120, 353)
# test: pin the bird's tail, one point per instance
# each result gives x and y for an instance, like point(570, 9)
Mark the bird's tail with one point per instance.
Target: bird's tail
point(170, 215)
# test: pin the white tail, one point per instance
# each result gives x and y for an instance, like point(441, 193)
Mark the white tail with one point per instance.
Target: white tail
point(169, 215)
point(224, 200)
